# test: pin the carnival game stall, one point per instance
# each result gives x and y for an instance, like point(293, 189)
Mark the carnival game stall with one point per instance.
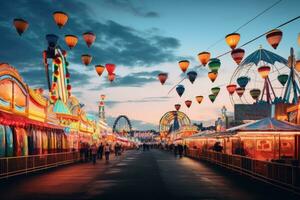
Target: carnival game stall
point(24, 129)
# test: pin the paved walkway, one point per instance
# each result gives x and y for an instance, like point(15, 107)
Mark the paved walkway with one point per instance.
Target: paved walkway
point(139, 175)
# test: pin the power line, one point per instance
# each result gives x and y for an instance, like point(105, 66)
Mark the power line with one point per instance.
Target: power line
point(245, 24)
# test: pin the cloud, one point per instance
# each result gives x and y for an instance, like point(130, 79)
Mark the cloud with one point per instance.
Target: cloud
point(128, 6)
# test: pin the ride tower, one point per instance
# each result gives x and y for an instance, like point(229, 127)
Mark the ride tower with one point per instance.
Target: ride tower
point(101, 108)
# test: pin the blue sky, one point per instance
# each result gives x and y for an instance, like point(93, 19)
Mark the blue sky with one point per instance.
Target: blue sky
point(143, 38)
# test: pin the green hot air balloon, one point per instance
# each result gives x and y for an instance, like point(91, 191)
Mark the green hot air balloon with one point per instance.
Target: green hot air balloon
point(282, 78)
point(212, 97)
point(215, 90)
point(214, 64)
point(255, 93)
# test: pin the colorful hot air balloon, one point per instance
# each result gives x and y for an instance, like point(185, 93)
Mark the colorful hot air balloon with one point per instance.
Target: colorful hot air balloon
point(177, 106)
point(204, 57)
point(89, 38)
point(232, 40)
point(264, 71)
point(199, 99)
point(238, 55)
point(282, 78)
point(255, 93)
point(243, 81)
point(86, 59)
point(297, 66)
point(192, 75)
point(240, 91)
point(184, 64)
point(180, 90)
point(231, 88)
point(214, 64)
point(162, 77)
point(99, 69)
point(212, 76)
point(71, 40)
point(21, 25)
point(60, 18)
point(188, 103)
point(111, 77)
point(212, 97)
point(274, 37)
point(215, 90)
point(110, 68)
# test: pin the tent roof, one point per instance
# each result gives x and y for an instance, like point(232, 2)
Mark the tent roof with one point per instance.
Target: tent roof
point(270, 124)
point(263, 55)
point(60, 107)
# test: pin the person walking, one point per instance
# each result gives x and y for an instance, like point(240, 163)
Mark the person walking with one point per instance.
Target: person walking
point(107, 152)
point(180, 150)
point(94, 153)
point(175, 150)
point(100, 151)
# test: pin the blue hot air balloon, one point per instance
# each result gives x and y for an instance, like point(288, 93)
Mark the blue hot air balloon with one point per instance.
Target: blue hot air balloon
point(192, 75)
point(243, 81)
point(180, 90)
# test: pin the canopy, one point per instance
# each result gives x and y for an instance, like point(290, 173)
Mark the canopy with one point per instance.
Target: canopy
point(270, 124)
point(263, 55)
point(60, 107)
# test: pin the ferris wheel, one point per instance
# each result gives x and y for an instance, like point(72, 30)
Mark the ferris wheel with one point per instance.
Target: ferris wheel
point(122, 125)
point(264, 77)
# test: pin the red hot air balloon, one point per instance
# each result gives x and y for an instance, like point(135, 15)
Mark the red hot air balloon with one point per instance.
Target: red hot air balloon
point(21, 25)
point(177, 106)
point(86, 59)
point(231, 88)
point(89, 38)
point(188, 103)
point(237, 55)
point(110, 68)
point(274, 37)
point(111, 77)
point(162, 77)
point(240, 91)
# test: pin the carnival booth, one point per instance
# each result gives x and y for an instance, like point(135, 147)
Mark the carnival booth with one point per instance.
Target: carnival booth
point(23, 126)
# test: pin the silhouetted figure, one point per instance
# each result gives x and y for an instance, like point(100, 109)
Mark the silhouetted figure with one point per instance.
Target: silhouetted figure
point(217, 147)
point(240, 150)
point(94, 152)
point(100, 151)
point(180, 150)
point(175, 150)
point(107, 152)
point(185, 149)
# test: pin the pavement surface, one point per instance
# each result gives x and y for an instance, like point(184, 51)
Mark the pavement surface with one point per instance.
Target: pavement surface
point(140, 175)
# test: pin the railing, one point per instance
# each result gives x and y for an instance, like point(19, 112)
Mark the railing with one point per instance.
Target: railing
point(12, 166)
point(279, 174)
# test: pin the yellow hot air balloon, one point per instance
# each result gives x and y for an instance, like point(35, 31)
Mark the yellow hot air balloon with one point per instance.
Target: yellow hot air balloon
point(232, 39)
point(199, 99)
point(184, 64)
point(60, 18)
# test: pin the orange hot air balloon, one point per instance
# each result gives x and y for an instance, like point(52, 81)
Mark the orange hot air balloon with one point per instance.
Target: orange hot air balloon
point(111, 77)
point(231, 88)
point(21, 25)
point(264, 71)
point(188, 103)
point(232, 40)
point(162, 77)
point(240, 91)
point(274, 37)
point(199, 99)
point(89, 38)
point(184, 64)
point(177, 106)
point(204, 57)
point(110, 68)
point(60, 18)
point(238, 55)
point(71, 40)
point(212, 76)
point(297, 66)
point(86, 59)
point(99, 69)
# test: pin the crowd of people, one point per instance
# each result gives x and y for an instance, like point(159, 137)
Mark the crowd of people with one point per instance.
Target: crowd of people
point(90, 153)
